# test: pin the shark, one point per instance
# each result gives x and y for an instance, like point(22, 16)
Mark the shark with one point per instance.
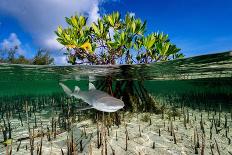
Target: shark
point(96, 99)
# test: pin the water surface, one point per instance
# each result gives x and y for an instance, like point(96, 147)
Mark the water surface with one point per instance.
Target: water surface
point(193, 97)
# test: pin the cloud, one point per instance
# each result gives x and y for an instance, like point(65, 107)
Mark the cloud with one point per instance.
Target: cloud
point(41, 18)
point(60, 60)
point(94, 13)
point(51, 42)
point(11, 42)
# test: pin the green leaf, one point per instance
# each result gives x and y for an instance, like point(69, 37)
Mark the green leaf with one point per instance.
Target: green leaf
point(59, 30)
point(74, 21)
point(82, 21)
point(133, 27)
point(111, 21)
point(144, 26)
point(68, 20)
point(67, 37)
point(60, 40)
point(128, 35)
point(95, 28)
point(101, 26)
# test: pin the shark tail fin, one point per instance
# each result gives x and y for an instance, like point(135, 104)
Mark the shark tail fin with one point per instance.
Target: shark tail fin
point(66, 89)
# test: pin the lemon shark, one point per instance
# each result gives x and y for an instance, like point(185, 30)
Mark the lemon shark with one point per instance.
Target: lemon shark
point(97, 99)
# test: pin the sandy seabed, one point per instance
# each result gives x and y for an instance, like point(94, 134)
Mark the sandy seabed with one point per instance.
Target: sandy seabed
point(192, 132)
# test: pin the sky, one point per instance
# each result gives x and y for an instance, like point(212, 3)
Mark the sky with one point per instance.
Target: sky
point(196, 26)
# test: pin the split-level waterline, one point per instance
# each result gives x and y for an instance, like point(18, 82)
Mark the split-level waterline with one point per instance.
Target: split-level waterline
point(184, 107)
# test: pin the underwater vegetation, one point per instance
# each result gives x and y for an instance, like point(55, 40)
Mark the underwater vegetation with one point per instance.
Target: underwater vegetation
point(172, 115)
point(190, 123)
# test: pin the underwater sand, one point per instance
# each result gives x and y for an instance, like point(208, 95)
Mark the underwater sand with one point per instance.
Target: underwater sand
point(143, 136)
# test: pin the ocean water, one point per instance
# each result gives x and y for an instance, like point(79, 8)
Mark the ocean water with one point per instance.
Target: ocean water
point(177, 107)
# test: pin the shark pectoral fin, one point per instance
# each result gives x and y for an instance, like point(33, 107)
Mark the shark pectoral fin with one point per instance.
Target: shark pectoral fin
point(77, 89)
point(66, 89)
point(91, 86)
point(85, 108)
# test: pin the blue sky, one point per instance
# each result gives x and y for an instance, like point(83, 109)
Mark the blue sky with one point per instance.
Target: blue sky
point(196, 26)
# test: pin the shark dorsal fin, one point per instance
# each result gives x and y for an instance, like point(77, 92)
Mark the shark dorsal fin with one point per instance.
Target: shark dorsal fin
point(92, 78)
point(76, 89)
point(91, 86)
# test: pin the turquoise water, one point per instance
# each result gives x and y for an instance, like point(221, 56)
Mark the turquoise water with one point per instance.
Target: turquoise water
point(176, 107)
